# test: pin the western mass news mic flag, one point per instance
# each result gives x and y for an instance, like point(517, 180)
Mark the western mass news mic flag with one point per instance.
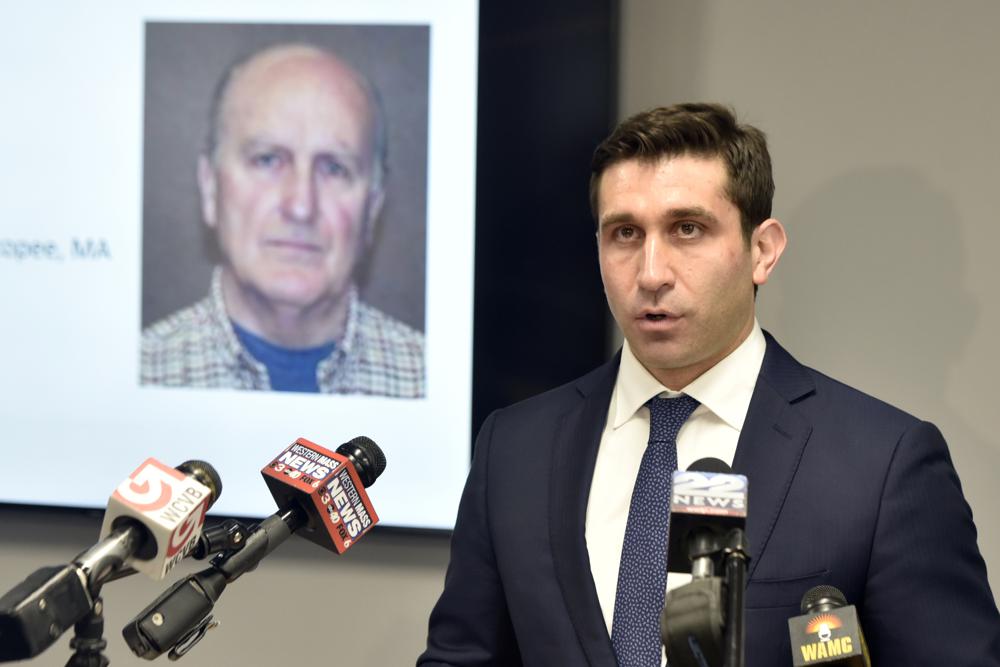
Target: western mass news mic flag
point(328, 487)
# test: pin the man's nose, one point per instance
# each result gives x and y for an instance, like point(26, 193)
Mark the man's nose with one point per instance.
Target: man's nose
point(656, 265)
point(299, 195)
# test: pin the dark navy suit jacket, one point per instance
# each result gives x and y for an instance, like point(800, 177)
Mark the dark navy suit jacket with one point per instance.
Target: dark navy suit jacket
point(844, 490)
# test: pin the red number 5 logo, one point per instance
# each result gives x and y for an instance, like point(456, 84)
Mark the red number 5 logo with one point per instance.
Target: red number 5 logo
point(148, 489)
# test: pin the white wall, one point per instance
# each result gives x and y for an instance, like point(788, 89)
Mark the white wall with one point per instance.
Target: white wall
point(884, 125)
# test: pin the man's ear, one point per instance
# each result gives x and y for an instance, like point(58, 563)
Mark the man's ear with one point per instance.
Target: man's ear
point(373, 209)
point(207, 186)
point(766, 245)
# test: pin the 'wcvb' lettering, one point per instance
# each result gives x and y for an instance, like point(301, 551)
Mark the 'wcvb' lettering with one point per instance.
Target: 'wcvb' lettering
point(828, 649)
point(171, 562)
point(176, 510)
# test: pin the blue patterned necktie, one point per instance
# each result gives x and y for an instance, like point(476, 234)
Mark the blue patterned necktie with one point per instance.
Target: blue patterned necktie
point(642, 576)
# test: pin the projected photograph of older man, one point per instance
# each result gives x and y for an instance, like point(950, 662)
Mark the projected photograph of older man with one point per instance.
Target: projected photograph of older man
point(291, 186)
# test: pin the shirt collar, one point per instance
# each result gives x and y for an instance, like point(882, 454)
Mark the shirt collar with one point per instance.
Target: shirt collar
point(235, 350)
point(217, 304)
point(724, 389)
point(352, 325)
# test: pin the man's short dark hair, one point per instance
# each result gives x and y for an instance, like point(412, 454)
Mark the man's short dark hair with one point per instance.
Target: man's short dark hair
point(702, 130)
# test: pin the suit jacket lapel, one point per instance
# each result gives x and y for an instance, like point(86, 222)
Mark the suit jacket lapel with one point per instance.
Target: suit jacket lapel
point(578, 435)
point(771, 442)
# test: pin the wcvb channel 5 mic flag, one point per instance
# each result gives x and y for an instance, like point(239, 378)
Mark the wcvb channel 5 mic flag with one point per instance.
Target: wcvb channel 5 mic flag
point(170, 504)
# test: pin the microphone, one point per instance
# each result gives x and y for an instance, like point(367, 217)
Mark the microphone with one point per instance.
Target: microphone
point(320, 494)
point(164, 510)
point(828, 632)
point(710, 464)
point(701, 621)
point(151, 521)
point(707, 501)
point(328, 488)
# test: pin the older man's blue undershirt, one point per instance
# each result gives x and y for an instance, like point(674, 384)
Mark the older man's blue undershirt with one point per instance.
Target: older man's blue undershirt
point(288, 369)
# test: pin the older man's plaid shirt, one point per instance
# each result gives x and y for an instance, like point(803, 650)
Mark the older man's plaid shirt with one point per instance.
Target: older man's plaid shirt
point(197, 347)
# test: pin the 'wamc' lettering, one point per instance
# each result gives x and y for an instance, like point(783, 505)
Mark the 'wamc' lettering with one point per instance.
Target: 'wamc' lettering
point(828, 649)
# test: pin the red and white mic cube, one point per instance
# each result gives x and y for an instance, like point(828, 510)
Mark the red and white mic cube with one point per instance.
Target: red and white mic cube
point(170, 504)
point(327, 488)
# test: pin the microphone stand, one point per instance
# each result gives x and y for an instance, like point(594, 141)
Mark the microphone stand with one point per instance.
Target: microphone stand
point(177, 620)
point(102, 563)
point(694, 613)
point(36, 612)
point(735, 554)
point(88, 641)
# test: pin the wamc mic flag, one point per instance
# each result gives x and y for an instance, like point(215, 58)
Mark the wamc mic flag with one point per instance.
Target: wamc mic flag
point(828, 632)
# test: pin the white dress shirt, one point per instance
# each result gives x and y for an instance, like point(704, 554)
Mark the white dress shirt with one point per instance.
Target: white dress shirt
point(712, 430)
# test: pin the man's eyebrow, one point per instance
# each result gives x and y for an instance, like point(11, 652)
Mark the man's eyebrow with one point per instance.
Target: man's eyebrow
point(680, 213)
point(257, 143)
point(615, 219)
point(697, 212)
point(263, 143)
point(344, 155)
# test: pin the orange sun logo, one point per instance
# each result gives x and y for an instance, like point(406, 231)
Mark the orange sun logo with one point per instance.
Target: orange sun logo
point(829, 620)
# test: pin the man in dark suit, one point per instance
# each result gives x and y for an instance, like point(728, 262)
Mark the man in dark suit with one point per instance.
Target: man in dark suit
point(557, 556)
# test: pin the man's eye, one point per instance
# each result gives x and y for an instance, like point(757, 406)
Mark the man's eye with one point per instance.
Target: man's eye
point(329, 166)
point(688, 229)
point(625, 233)
point(268, 160)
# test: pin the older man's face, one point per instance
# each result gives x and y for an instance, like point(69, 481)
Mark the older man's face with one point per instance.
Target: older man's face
point(290, 189)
